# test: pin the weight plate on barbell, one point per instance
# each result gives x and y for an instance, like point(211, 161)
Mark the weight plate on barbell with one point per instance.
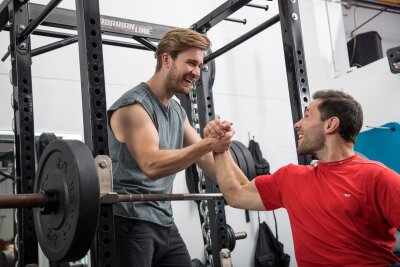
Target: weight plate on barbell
point(231, 237)
point(67, 168)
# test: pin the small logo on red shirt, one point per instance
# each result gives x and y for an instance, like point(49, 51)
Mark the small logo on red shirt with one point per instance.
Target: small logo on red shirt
point(347, 195)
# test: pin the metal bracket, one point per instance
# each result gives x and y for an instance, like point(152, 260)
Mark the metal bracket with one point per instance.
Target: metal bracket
point(104, 171)
point(225, 258)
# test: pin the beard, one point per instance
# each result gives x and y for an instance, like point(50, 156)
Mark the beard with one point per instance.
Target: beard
point(312, 142)
point(175, 82)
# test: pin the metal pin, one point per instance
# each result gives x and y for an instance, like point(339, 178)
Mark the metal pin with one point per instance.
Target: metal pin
point(103, 164)
point(22, 46)
point(244, 21)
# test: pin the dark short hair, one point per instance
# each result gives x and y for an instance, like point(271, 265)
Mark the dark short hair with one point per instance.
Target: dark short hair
point(178, 40)
point(345, 107)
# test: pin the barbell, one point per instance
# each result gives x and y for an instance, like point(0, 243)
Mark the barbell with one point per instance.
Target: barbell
point(67, 199)
point(49, 201)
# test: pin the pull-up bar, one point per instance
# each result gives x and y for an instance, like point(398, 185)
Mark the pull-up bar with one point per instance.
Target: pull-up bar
point(242, 38)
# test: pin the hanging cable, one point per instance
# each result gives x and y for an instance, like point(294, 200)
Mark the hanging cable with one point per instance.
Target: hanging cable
point(330, 39)
point(368, 20)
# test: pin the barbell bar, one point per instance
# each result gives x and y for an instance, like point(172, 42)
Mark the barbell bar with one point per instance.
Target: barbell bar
point(41, 200)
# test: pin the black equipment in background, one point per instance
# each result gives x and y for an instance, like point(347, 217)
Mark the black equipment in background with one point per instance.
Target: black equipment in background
point(393, 55)
point(261, 165)
point(364, 48)
point(42, 141)
point(269, 251)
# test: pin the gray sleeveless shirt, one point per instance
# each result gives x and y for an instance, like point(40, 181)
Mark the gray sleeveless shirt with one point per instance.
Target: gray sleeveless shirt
point(128, 178)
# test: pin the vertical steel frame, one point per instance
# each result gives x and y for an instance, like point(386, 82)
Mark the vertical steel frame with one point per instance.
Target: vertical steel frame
point(23, 128)
point(299, 93)
point(103, 250)
point(218, 230)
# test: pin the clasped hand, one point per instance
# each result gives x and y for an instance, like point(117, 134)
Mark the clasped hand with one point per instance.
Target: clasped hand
point(220, 133)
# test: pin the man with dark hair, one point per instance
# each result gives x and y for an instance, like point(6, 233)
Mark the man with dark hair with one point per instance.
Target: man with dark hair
point(345, 210)
point(150, 140)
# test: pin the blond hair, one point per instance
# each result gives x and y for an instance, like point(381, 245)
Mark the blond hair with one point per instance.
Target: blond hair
point(178, 40)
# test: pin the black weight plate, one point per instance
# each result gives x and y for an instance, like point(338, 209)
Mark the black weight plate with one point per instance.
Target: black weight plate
point(233, 154)
point(192, 179)
point(68, 168)
point(231, 237)
point(241, 162)
point(251, 166)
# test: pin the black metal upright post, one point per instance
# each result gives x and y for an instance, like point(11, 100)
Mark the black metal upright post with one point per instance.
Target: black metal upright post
point(103, 250)
point(218, 229)
point(295, 62)
point(23, 128)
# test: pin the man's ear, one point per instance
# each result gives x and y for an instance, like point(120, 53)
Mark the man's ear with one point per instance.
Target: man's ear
point(332, 124)
point(166, 59)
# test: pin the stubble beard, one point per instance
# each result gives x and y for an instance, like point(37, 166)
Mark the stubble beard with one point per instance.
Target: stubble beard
point(311, 145)
point(175, 82)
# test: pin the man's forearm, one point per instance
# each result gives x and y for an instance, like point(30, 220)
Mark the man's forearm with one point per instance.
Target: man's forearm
point(230, 178)
point(167, 162)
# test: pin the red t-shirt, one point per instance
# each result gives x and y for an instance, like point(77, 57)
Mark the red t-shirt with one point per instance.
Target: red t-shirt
point(342, 213)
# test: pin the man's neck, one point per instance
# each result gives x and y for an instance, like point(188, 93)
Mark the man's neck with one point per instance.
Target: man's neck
point(336, 151)
point(157, 85)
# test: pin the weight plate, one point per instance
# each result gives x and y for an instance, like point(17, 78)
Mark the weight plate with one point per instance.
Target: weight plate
point(251, 167)
point(231, 237)
point(233, 154)
point(67, 167)
point(241, 162)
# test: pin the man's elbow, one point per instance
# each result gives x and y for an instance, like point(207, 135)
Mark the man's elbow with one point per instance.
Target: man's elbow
point(151, 172)
point(232, 202)
point(232, 199)
point(152, 176)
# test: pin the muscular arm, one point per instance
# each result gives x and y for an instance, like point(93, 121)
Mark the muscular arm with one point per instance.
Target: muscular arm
point(133, 126)
point(206, 161)
point(238, 191)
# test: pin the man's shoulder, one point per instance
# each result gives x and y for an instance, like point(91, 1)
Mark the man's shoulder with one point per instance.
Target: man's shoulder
point(136, 94)
point(368, 163)
point(129, 97)
point(140, 90)
point(291, 167)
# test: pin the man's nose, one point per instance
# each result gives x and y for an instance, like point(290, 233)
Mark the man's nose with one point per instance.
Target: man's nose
point(297, 125)
point(196, 72)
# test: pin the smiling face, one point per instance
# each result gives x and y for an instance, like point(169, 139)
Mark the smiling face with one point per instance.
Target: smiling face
point(184, 70)
point(310, 130)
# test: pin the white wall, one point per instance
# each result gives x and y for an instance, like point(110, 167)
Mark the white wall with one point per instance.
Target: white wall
point(250, 89)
